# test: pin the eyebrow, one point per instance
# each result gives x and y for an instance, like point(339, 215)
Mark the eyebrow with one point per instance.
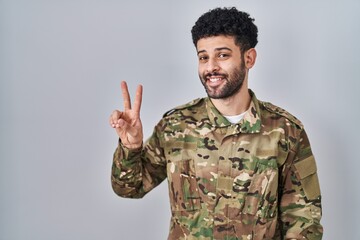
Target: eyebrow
point(216, 49)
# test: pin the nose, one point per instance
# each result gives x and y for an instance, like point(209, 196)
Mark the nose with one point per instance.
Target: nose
point(212, 65)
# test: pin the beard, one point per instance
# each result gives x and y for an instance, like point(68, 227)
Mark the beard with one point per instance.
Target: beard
point(233, 82)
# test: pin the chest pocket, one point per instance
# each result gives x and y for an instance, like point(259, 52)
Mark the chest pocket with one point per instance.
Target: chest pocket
point(183, 186)
point(184, 192)
point(261, 197)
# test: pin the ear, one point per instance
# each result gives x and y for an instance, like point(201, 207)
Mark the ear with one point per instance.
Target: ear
point(250, 58)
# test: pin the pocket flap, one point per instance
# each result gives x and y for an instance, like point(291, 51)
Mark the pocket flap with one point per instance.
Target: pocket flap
point(306, 167)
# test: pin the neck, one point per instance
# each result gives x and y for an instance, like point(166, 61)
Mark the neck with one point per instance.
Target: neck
point(236, 104)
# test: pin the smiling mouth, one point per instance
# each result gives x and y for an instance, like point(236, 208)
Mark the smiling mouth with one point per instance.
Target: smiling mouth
point(214, 81)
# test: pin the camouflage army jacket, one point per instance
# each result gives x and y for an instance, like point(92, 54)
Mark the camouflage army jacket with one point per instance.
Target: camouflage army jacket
point(253, 180)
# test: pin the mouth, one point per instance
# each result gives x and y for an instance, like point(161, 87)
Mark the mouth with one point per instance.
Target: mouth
point(214, 81)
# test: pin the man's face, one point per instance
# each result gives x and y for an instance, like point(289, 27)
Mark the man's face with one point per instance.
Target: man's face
point(221, 66)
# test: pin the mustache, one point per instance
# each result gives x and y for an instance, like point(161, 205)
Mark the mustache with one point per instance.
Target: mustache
point(215, 74)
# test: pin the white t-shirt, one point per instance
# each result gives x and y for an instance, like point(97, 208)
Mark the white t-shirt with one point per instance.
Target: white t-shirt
point(236, 118)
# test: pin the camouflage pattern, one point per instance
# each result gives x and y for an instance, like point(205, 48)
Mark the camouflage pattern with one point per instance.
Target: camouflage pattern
point(253, 180)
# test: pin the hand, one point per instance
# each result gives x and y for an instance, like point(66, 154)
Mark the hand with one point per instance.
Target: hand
point(127, 124)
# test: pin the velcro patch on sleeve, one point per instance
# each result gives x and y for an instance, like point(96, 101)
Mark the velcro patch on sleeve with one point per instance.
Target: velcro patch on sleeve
point(306, 167)
point(307, 172)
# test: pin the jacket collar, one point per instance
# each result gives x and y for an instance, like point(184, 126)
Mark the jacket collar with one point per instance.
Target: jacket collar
point(251, 122)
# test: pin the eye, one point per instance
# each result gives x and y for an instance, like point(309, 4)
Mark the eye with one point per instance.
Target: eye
point(223, 55)
point(203, 58)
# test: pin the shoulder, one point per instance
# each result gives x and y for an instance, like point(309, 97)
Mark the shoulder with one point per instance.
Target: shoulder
point(183, 116)
point(187, 106)
point(281, 113)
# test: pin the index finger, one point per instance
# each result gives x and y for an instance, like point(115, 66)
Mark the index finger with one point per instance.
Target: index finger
point(126, 96)
point(138, 100)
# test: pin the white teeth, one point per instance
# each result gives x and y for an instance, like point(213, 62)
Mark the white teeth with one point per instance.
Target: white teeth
point(214, 79)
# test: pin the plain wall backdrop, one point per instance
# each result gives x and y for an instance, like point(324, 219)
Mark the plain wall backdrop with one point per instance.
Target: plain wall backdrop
point(61, 63)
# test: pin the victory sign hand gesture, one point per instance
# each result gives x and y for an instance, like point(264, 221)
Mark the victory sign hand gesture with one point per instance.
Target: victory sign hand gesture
point(127, 123)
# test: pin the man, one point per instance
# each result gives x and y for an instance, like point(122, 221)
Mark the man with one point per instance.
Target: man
point(237, 167)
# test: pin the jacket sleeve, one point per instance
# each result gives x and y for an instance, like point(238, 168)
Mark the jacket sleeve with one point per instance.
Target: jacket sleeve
point(300, 206)
point(135, 172)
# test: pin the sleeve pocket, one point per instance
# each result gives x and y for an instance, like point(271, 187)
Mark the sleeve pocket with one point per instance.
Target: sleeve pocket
point(307, 173)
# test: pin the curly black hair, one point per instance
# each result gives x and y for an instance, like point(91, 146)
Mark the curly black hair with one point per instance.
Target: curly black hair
point(228, 22)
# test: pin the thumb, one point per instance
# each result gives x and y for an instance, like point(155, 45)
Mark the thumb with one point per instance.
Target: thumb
point(124, 127)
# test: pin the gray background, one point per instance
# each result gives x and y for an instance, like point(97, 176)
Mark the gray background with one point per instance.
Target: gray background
point(61, 63)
